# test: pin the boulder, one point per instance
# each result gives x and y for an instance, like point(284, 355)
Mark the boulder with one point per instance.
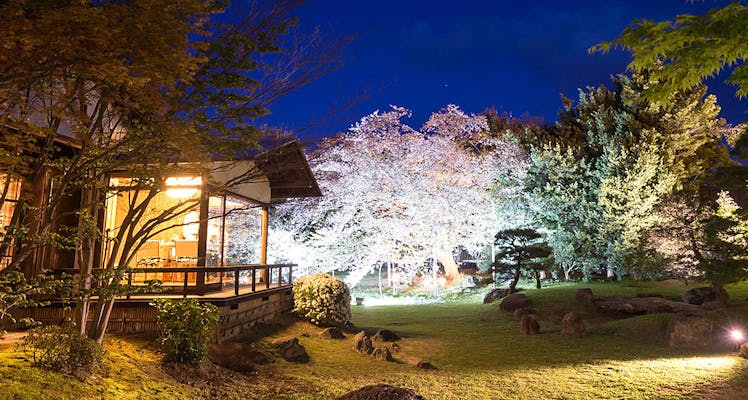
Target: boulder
point(386, 336)
point(382, 354)
point(239, 357)
point(514, 301)
point(690, 331)
point(523, 311)
point(643, 305)
point(573, 325)
point(712, 305)
point(528, 325)
point(494, 295)
point(332, 333)
point(743, 351)
point(584, 296)
point(700, 295)
point(426, 366)
point(382, 392)
point(362, 343)
point(290, 349)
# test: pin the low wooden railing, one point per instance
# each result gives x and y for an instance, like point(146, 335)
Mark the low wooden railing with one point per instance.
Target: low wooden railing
point(233, 273)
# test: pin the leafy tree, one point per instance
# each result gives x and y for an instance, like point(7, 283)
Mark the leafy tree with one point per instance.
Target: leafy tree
point(600, 178)
point(722, 252)
point(521, 250)
point(680, 54)
point(140, 87)
point(397, 195)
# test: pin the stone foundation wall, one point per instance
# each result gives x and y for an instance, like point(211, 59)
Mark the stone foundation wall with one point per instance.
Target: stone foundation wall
point(237, 315)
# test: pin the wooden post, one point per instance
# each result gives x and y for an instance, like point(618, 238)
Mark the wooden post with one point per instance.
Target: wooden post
point(264, 242)
point(236, 281)
point(254, 280)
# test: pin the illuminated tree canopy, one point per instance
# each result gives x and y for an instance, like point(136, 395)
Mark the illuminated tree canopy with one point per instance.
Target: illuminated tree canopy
point(393, 194)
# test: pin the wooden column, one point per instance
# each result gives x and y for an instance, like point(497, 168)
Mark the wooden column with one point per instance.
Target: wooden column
point(264, 242)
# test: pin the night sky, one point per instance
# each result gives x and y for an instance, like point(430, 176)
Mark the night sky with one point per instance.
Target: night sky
point(516, 56)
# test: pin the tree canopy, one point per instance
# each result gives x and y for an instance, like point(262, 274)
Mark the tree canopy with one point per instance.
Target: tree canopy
point(139, 86)
point(396, 194)
point(680, 54)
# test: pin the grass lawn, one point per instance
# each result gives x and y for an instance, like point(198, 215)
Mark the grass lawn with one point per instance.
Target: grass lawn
point(477, 348)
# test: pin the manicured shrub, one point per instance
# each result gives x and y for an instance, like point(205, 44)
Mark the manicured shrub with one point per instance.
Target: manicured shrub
point(187, 327)
point(63, 349)
point(323, 299)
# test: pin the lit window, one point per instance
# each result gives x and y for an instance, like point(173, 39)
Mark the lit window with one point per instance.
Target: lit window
point(12, 190)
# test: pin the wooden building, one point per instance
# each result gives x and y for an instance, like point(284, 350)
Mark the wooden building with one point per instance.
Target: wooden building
point(213, 249)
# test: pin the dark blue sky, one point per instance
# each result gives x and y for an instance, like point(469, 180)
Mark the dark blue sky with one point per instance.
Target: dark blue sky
point(516, 56)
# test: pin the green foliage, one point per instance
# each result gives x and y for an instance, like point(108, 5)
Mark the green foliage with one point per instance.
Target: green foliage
point(188, 326)
point(599, 179)
point(723, 256)
point(521, 250)
point(680, 54)
point(140, 87)
point(16, 292)
point(63, 349)
point(644, 263)
point(323, 299)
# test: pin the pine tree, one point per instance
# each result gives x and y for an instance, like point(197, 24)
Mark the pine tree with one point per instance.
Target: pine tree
point(521, 250)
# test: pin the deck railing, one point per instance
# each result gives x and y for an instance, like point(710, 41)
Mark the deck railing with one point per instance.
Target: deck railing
point(254, 276)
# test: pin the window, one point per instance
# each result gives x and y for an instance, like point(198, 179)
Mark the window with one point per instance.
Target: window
point(10, 190)
point(233, 232)
point(172, 243)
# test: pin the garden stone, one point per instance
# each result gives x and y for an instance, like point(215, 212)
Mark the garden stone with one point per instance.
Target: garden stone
point(290, 349)
point(700, 295)
point(382, 354)
point(743, 351)
point(573, 325)
point(528, 325)
point(584, 296)
point(382, 392)
point(386, 336)
point(426, 366)
point(514, 302)
point(690, 331)
point(332, 333)
point(362, 343)
point(643, 305)
point(712, 305)
point(523, 311)
point(496, 294)
point(239, 357)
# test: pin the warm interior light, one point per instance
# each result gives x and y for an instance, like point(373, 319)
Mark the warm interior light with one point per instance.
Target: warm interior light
point(737, 335)
point(184, 181)
point(181, 187)
point(181, 193)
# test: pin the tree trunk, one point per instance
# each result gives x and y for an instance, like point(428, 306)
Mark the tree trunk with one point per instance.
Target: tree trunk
point(85, 259)
point(451, 269)
point(537, 279)
point(102, 312)
point(515, 279)
point(379, 280)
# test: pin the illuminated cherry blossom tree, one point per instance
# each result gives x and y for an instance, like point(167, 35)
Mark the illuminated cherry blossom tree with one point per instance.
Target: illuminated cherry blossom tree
point(396, 195)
